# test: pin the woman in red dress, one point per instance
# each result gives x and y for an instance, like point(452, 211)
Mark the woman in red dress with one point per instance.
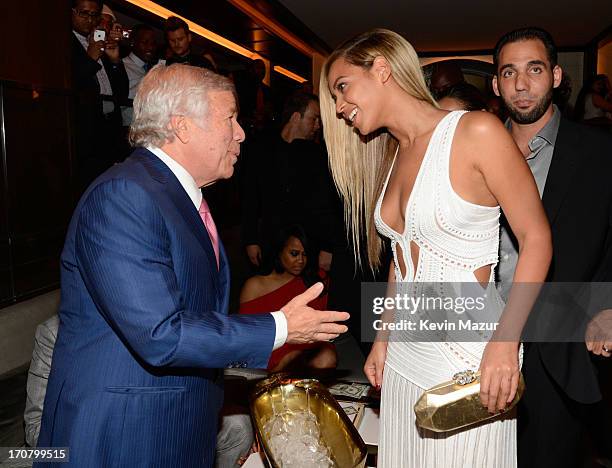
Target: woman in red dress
point(291, 275)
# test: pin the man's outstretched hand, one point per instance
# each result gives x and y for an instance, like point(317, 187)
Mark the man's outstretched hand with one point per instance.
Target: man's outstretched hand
point(307, 325)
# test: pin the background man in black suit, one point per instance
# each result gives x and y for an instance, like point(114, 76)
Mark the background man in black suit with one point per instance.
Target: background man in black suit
point(286, 180)
point(572, 166)
point(100, 84)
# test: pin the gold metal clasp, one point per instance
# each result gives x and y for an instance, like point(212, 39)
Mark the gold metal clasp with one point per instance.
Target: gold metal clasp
point(465, 377)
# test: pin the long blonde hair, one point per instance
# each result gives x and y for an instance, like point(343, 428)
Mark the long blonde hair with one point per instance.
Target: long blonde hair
point(359, 163)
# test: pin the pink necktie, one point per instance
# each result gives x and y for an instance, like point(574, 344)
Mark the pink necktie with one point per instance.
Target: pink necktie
point(210, 227)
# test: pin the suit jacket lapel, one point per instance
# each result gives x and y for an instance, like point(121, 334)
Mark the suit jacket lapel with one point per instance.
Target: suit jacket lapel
point(160, 172)
point(561, 172)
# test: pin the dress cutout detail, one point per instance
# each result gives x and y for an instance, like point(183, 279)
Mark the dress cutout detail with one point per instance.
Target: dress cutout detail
point(454, 238)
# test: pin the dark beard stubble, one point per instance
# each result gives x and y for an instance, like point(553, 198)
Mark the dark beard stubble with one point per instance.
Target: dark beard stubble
point(525, 118)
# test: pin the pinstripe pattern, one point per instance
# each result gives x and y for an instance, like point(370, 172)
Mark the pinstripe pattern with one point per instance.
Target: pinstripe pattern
point(402, 444)
point(143, 327)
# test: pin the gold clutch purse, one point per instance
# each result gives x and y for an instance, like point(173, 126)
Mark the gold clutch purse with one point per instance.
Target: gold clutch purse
point(455, 404)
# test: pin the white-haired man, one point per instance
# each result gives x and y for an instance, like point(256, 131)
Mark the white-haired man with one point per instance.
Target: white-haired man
point(144, 329)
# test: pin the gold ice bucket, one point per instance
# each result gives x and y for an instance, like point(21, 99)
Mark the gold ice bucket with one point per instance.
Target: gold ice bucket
point(456, 404)
point(278, 394)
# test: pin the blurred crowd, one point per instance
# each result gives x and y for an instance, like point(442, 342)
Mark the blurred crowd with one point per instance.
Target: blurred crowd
point(109, 61)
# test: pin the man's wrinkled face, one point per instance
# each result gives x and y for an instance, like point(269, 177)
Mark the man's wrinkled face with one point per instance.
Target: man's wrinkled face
point(179, 41)
point(215, 141)
point(525, 80)
point(85, 16)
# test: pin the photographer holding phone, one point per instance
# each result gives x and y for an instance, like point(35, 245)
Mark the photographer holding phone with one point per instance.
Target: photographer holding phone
point(100, 82)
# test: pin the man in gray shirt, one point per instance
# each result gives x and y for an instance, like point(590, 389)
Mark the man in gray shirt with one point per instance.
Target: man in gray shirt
point(541, 148)
point(571, 165)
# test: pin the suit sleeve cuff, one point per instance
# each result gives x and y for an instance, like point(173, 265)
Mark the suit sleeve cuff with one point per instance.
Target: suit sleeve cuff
point(281, 329)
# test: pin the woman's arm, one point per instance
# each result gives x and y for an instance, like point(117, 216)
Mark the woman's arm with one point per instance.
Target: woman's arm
point(510, 181)
point(375, 363)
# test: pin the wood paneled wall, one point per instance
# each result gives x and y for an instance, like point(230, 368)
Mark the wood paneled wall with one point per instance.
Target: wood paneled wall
point(36, 188)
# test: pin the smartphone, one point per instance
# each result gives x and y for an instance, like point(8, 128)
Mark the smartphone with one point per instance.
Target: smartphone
point(99, 35)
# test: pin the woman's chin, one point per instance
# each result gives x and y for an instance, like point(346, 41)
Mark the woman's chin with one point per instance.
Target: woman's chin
point(362, 131)
point(361, 128)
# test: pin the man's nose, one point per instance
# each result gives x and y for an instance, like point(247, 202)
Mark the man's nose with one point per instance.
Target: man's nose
point(239, 134)
point(521, 82)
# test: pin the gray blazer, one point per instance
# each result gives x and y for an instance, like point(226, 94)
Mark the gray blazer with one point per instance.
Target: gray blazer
point(44, 341)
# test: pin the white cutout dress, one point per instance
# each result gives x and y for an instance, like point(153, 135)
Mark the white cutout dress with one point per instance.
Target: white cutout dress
point(454, 238)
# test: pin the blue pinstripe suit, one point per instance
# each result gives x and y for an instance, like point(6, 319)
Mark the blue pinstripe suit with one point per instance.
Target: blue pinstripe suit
point(144, 327)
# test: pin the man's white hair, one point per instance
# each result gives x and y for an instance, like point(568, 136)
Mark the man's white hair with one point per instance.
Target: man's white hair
point(167, 91)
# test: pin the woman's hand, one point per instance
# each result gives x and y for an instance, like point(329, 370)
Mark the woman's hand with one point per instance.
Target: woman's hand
point(375, 363)
point(499, 374)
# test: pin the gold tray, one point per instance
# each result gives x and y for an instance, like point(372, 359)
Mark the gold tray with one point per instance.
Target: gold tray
point(277, 394)
point(456, 404)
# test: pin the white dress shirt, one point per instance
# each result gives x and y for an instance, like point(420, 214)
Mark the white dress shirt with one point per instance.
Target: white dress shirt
point(194, 192)
point(135, 69)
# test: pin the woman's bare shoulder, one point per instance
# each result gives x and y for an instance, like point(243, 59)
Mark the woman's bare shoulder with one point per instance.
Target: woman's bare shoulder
point(260, 285)
point(253, 288)
point(481, 123)
point(481, 134)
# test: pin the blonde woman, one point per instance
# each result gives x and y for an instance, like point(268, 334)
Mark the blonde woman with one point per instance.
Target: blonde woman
point(433, 182)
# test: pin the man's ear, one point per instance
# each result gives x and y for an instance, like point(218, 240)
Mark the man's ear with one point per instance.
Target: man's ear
point(494, 84)
point(180, 127)
point(381, 68)
point(557, 76)
point(295, 118)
